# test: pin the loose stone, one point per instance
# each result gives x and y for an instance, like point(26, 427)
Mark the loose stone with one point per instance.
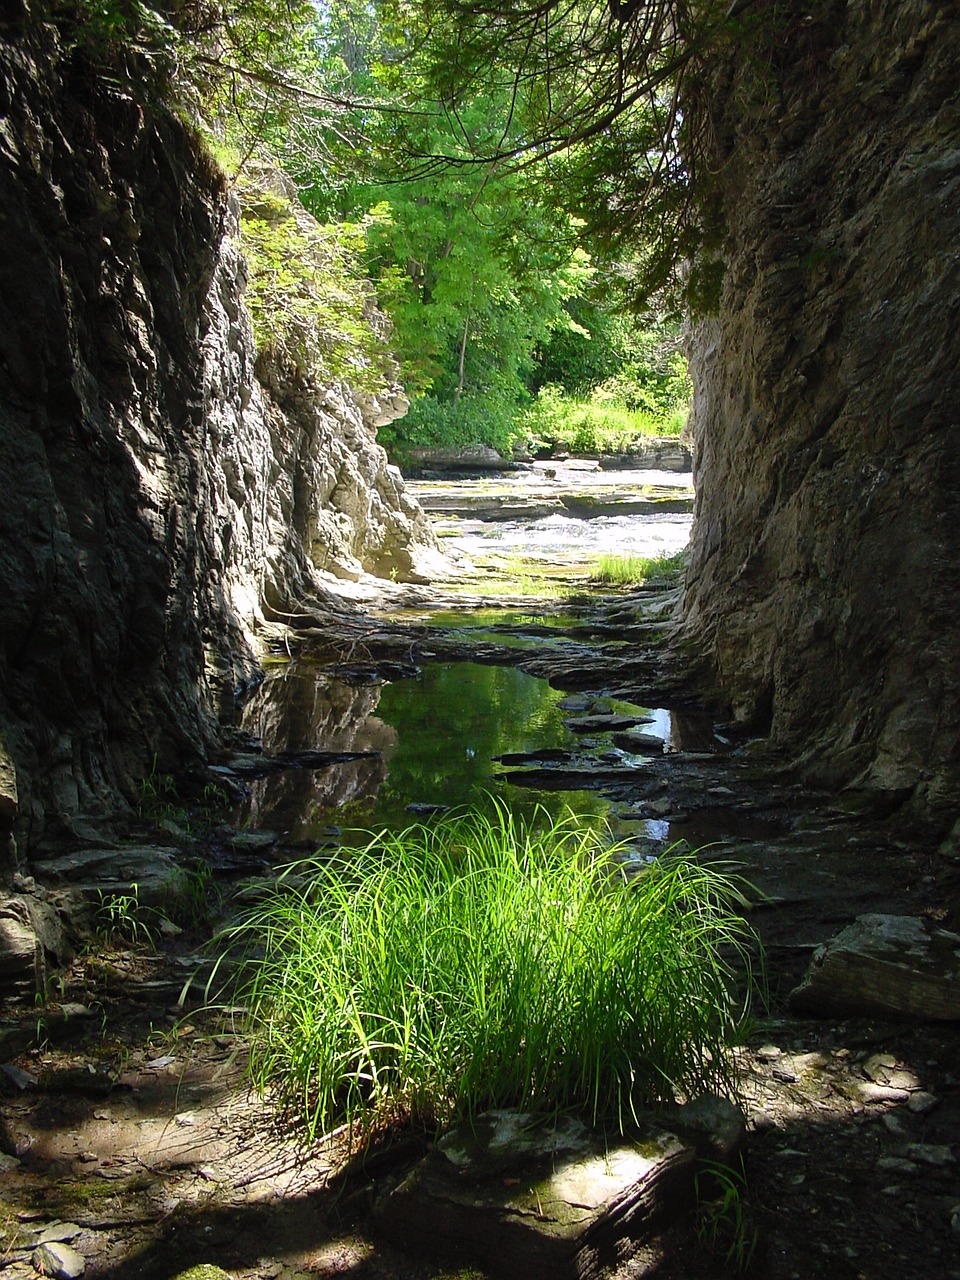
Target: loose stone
point(59, 1231)
point(60, 1260)
point(922, 1102)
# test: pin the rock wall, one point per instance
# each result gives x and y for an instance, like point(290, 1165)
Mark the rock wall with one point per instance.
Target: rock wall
point(823, 582)
point(159, 502)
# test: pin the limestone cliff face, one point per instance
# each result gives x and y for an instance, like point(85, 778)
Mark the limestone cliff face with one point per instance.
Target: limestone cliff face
point(158, 502)
point(823, 585)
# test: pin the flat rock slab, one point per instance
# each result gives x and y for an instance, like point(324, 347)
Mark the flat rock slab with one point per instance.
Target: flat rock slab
point(605, 723)
point(258, 765)
point(894, 966)
point(533, 1197)
point(59, 1260)
point(558, 778)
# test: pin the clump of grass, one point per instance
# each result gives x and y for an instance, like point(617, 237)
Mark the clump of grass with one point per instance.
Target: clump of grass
point(486, 962)
point(122, 918)
point(629, 571)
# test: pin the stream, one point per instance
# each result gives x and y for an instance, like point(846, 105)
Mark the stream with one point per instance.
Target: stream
point(456, 733)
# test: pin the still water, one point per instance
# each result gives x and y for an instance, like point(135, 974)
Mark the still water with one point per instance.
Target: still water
point(435, 739)
point(436, 736)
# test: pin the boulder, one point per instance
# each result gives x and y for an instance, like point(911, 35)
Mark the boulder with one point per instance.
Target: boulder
point(469, 457)
point(57, 1259)
point(31, 931)
point(892, 966)
point(657, 454)
point(531, 1197)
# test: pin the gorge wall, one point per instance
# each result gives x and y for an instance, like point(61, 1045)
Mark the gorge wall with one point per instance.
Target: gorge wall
point(823, 583)
point(160, 502)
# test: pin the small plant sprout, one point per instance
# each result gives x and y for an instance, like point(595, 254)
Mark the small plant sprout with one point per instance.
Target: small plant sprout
point(122, 916)
point(724, 1226)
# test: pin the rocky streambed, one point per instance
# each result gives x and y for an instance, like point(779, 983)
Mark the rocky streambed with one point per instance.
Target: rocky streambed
point(131, 1144)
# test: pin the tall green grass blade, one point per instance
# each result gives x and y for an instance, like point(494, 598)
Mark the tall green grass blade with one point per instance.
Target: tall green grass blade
point(482, 962)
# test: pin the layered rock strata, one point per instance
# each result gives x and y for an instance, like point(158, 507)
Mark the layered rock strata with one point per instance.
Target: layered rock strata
point(823, 584)
point(160, 502)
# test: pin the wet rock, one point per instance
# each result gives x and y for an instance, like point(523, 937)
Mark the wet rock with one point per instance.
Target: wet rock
point(250, 842)
point(576, 702)
point(639, 743)
point(565, 779)
point(259, 766)
point(490, 506)
point(471, 457)
point(542, 1198)
point(606, 722)
point(59, 1260)
point(545, 755)
point(894, 966)
point(586, 506)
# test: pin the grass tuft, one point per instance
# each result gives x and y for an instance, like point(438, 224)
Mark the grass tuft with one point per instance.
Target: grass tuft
point(484, 962)
point(629, 570)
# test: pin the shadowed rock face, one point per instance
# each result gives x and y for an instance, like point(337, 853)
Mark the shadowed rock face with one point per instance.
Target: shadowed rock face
point(823, 584)
point(159, 501)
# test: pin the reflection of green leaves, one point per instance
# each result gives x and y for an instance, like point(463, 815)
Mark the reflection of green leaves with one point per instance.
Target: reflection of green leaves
point(456, 708)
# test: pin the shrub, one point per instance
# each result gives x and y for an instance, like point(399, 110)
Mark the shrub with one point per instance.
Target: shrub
point(307, 298)
point(484, 962)
point(595, 426)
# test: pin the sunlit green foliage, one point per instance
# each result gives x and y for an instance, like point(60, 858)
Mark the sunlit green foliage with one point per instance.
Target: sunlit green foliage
point(604, 101)
point(628, 571)
point(310, 305)
point(485, 151)
point(486, 963)
point(591, 427)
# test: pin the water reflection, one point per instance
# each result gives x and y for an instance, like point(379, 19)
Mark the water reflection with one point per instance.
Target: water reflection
point(438, 734)
point(301, 706)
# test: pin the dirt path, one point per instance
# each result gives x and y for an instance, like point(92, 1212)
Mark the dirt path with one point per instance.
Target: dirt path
point(145, 1137)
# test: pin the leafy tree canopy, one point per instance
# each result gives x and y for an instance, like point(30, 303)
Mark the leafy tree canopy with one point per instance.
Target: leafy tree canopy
point(497, 156)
